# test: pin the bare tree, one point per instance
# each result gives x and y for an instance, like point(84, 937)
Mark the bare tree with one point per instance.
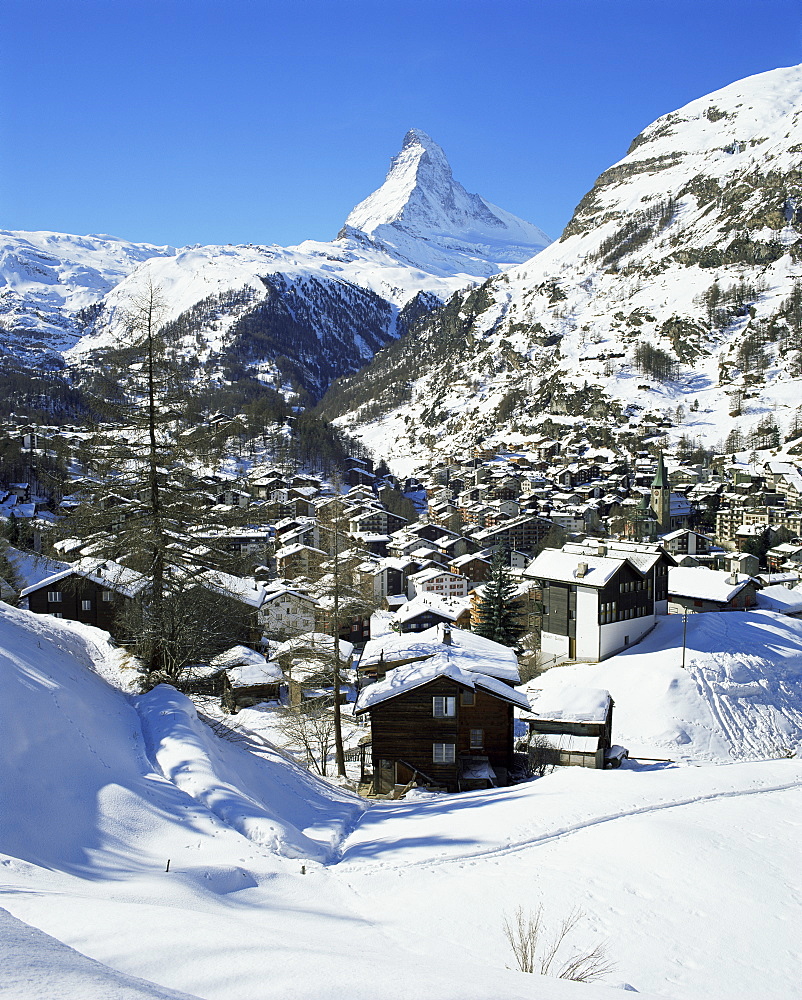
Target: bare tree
point(311, 729)
point(537, 951)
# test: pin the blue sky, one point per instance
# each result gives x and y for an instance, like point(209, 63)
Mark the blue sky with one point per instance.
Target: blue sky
point(191, 121)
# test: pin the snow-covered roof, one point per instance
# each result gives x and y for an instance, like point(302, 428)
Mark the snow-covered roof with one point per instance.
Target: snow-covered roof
point(701, 583)
point(105, 573)
point(572, 704)
point(310, 641)
point(566, 567)
point(448, 607)
point(472, 652)
point(237, 656)
point(243, 589)
point(442, 664)
point(780, 599)
point(254, 674)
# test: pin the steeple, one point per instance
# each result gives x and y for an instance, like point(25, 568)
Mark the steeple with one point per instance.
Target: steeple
point(660, 481)
point(661, 496)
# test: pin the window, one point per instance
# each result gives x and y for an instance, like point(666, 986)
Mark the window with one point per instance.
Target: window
point(477, 739)
point(443, 753)
point(57, 614)
point(444, 707)
point(86, 605)
point(468, 698)
point(106, 595)
point(54, 595)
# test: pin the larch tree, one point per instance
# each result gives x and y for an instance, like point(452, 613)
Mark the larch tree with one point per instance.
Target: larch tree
point(143, 503)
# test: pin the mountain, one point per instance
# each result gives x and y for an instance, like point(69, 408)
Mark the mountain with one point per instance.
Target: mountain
point(422, 213)
point(48, 280)
point(302, 315)
point(674, 297)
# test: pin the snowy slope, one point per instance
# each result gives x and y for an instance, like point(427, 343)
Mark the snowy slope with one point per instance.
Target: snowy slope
point(47, 278)
point(690, 872)
point(739, 696)
point(422, 233)
point(689, 245)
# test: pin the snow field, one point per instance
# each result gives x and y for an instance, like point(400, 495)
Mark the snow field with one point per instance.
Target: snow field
point(283, 886)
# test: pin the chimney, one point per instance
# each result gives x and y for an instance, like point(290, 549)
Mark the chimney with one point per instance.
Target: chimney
point(581, 570)
point(446, 634)
point(732, 579)
point(601, 550)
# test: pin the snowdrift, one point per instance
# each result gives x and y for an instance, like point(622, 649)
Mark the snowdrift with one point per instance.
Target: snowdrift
point(76, 760)
point(269, 799)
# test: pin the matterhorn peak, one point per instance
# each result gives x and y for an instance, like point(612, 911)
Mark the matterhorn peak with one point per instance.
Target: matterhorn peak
point(421, 200)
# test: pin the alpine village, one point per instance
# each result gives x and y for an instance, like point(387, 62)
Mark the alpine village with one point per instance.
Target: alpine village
point(394, 503)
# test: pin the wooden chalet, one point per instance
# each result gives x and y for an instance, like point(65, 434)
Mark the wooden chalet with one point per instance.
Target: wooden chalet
point(440, 726)
point(91, 591)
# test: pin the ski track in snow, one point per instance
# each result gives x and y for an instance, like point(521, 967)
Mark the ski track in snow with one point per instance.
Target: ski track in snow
point(555, 835)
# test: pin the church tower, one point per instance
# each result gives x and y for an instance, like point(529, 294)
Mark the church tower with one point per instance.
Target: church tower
point(661, 496)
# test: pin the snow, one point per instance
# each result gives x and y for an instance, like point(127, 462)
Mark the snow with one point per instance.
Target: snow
point(473, 652)
point(575, 703)
point(420, 199)
point(446, 662)
point(251, 674)
point(704, 584)
point(283, 886)
point(104, 573)
point(601, 313)
point(573, 567)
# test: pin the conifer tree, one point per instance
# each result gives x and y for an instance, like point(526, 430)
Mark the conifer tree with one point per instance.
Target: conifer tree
point(143, 503)
point(499, 619)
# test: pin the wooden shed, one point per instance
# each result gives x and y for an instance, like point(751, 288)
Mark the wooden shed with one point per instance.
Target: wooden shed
point(575, 726)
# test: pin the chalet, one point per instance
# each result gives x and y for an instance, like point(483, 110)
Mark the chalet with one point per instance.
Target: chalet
point(285, 611)
point(392, 649)
point(696, 589)
point(472, 566)
point(787, 555)
point(91, 591)
point(388, 575)
point(248, 678)
point(298, 560)
point(304, 658)
point(689, 547)
point(426, 610)
point(436, 722)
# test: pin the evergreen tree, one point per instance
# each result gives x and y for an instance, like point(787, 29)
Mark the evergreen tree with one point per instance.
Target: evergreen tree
point(499, 618)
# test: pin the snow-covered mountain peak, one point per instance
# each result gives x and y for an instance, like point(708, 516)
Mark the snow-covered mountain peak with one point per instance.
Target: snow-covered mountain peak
point(420, 199)
point(688, 250)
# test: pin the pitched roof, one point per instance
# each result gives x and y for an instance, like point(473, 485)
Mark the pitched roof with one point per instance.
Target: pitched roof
point(566, 567)
point(472, 652)
point(571, 704)
point(410, 676)
point(105, 573)
point(701, 583)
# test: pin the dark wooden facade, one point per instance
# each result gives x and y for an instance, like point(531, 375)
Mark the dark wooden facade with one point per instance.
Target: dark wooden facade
point(404, 732)
point(78, 599)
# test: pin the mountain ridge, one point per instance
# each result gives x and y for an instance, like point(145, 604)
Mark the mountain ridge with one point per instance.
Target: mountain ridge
point(687, 250)
point(48, 321)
